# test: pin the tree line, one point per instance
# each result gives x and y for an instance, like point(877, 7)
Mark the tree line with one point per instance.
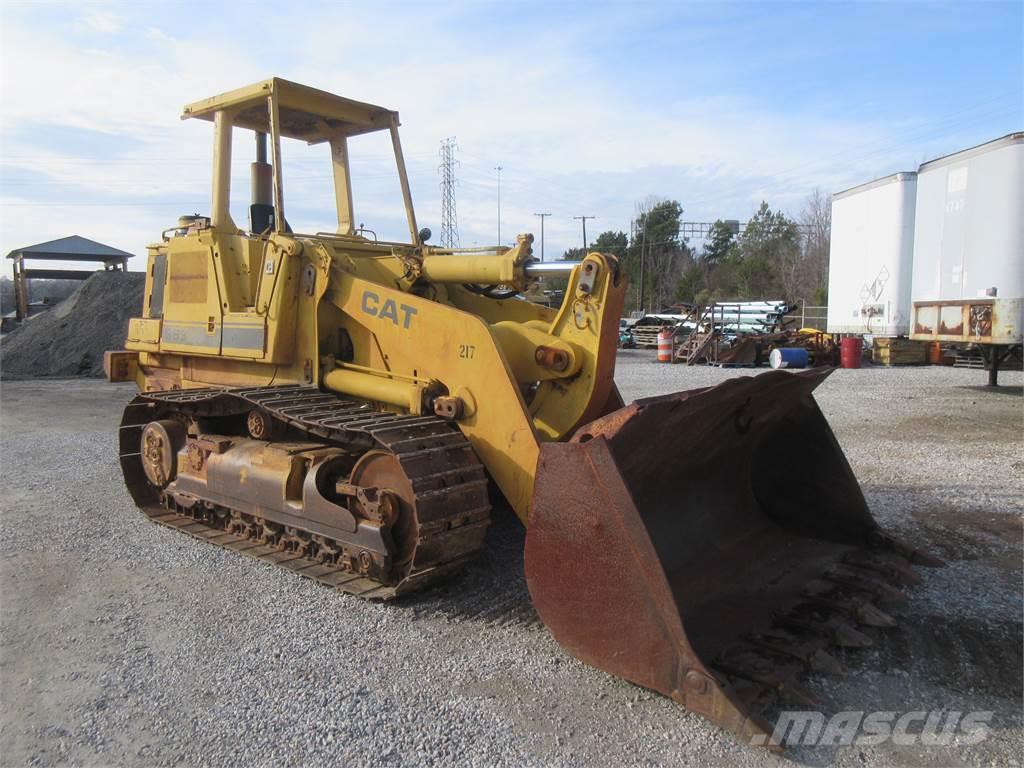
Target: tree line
point(772, 257)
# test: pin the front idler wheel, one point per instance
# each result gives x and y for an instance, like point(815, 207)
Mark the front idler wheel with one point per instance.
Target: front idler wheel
point(159, 445)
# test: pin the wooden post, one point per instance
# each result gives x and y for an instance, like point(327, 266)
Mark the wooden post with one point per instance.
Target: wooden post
point(20, 288)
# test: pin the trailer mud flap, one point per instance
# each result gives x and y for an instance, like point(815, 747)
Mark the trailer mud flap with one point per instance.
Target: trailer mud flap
point(712, 545)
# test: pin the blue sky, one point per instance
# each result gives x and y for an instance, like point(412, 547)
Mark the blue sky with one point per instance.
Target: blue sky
point(590, 108)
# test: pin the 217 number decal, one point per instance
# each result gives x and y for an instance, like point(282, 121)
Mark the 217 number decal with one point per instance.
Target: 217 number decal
point(466, 351)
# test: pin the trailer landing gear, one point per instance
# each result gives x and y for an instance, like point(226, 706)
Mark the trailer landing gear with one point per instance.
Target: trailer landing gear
point(995, 355)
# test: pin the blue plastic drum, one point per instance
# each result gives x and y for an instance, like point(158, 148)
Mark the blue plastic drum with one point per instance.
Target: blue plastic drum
point(788, 357)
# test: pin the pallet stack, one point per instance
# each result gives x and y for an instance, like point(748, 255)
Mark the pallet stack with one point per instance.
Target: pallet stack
point(647, 335)
point(899, 352)
point(969, 357)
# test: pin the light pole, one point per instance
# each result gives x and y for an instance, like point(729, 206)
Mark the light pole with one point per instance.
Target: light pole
point(498, 169)
point(584, 220)
point(542, 217)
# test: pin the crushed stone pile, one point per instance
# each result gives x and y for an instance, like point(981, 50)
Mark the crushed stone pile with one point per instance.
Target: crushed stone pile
point(70, 339)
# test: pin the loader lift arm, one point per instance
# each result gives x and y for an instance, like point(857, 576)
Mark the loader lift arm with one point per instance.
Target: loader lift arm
point(568, 362)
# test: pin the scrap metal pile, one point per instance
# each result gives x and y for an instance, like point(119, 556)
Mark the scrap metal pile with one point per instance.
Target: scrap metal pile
point(753, 349)
point(744, 333)
point(729, 319)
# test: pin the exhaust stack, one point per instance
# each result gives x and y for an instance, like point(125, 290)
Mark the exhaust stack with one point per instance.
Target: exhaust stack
point(261, 211)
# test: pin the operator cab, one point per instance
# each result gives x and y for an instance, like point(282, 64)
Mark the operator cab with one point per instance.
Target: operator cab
point(277, 108)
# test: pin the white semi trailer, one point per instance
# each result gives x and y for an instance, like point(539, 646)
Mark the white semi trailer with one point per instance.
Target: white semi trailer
point(871, 257)
point(968, 264)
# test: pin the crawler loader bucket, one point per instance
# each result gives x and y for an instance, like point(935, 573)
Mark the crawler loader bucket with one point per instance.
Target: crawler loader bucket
point(711, 545)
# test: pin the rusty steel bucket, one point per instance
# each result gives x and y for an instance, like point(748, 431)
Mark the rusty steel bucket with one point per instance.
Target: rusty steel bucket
point(711, 545)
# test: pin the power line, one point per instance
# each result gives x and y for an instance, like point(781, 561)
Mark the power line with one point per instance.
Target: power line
point(449, 219)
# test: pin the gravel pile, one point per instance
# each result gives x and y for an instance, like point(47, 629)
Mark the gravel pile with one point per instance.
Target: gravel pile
point(123, 643)
point(70, 339)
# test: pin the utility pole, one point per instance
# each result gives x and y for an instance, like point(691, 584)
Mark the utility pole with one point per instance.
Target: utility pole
point(643, 259)
point(498, 169)
point(584, 220)
point(542, 217)
point(449, 220)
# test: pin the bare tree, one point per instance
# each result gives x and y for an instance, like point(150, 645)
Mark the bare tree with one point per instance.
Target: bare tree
point(816, 221)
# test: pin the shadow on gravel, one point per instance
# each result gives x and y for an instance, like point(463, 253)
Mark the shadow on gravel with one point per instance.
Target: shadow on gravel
point(949, 523)
point(965, 656)
point(492, 589)
point(1002, 389)
point(928, 664)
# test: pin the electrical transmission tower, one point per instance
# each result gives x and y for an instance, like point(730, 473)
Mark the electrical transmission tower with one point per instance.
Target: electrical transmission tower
point(449, 220)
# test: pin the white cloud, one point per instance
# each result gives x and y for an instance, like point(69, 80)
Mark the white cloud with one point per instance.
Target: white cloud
point(572, 136)
point(103, 21)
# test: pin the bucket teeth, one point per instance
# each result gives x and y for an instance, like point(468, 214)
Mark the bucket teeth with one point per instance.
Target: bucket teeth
point(919, 557)
point(871, 616)
point(865, 581)
point(863, 611)
point(819, 588)
point(810, 653)
point(891, 568)
point(822, 661)
point(884, 542)
point(846, 636)
point(836, 630)
point(785, 688)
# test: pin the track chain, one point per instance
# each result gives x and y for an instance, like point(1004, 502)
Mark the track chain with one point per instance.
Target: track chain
point(447, 477)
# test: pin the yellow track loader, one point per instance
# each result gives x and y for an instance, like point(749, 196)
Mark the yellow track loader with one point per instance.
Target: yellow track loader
point(342, 406)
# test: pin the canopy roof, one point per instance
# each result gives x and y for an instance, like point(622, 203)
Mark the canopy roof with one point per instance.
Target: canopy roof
point(72, 248)
point(306, 113)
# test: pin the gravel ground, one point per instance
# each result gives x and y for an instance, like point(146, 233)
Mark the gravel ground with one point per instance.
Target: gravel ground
point(124, 643)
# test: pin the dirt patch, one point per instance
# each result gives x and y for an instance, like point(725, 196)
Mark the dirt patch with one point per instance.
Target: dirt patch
point(71, 338)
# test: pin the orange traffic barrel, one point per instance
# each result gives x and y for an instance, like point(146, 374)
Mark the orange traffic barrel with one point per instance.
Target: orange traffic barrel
point(850, 350)
point(665, 347)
